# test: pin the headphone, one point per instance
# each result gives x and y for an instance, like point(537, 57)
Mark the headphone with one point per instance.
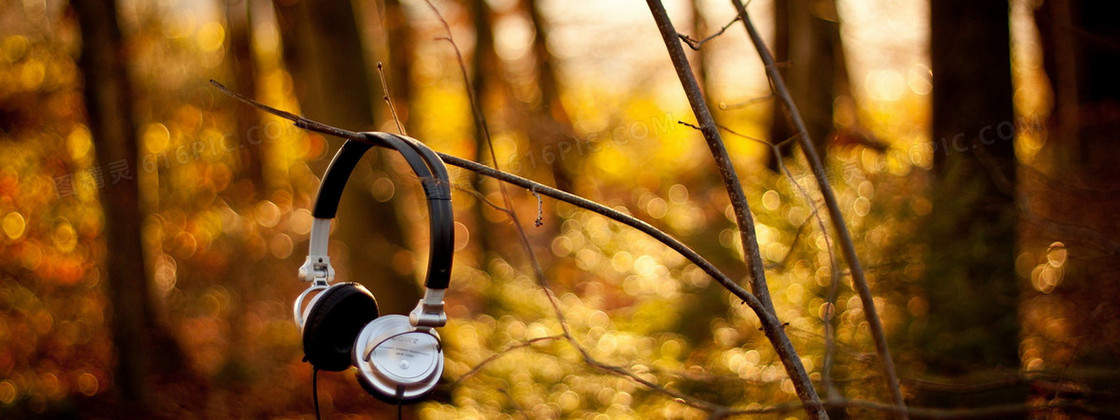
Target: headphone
point(399, 358)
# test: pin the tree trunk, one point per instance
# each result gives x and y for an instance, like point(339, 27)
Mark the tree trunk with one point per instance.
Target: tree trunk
point(143, 345)
point(323, 49)
point(807, 42)
point(1069, 200)
point(969, 279)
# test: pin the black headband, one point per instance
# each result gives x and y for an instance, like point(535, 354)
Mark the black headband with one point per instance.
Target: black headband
point(437, 189)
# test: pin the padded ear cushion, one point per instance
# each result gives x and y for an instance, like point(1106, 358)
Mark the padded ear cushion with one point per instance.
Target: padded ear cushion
point(333, 322)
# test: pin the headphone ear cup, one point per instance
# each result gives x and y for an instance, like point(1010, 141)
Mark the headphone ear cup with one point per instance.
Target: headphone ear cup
point(397, 362)
point(334, 320)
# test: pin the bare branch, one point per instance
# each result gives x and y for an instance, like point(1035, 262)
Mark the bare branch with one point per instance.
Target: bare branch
point(757, 276)
point(541, 279)
point(746, 103)
point(389, 99)
point(480, 120)
point(766, 317)
point(542, 189)
point(834, 269)
point(707, 126)
point(296, 119)
point(781, 265)
point(681, 398)
point(754, 139)
point(695, 45)
point(484, 130)
point(859, 280)
point(540, 209)
point(498, 355)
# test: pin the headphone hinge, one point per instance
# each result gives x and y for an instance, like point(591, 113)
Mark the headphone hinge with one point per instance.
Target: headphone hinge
point(429, 312)
point(317, 269)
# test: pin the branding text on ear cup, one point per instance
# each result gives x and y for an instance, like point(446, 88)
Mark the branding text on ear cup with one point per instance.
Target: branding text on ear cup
point(408, 355)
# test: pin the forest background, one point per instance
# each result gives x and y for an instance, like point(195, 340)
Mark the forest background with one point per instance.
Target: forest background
point(153, 226)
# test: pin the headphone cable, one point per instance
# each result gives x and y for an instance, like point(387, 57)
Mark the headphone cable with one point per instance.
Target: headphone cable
point(315, 390)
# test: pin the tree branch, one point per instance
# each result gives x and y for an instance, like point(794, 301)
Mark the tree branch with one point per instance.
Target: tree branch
point(859, 280)
point(389, 99)
point(757, 276)
point(626, 219)
point(527, 343)
point(696, 44)
point(771, 325)
point(833, 266)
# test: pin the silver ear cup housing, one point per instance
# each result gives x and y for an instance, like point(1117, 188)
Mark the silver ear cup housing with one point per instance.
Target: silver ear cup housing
point(396, 361)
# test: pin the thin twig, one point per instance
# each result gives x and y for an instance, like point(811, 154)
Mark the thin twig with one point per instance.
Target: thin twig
point(695, 45)
point(480, 121)
point(541, 279)
point(833, 284)
point(516, 405)
point(389, 99)
point(746, 103)
point(782, 265)
point(540, 208)
point(476, 108)
point(774, 331)
point(484, 129)
point(676, 395)
point(477, 368)
point(859, 280)
point(710, 130)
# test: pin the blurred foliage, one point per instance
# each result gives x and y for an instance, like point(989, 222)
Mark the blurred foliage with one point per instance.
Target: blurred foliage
point(223, 253)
